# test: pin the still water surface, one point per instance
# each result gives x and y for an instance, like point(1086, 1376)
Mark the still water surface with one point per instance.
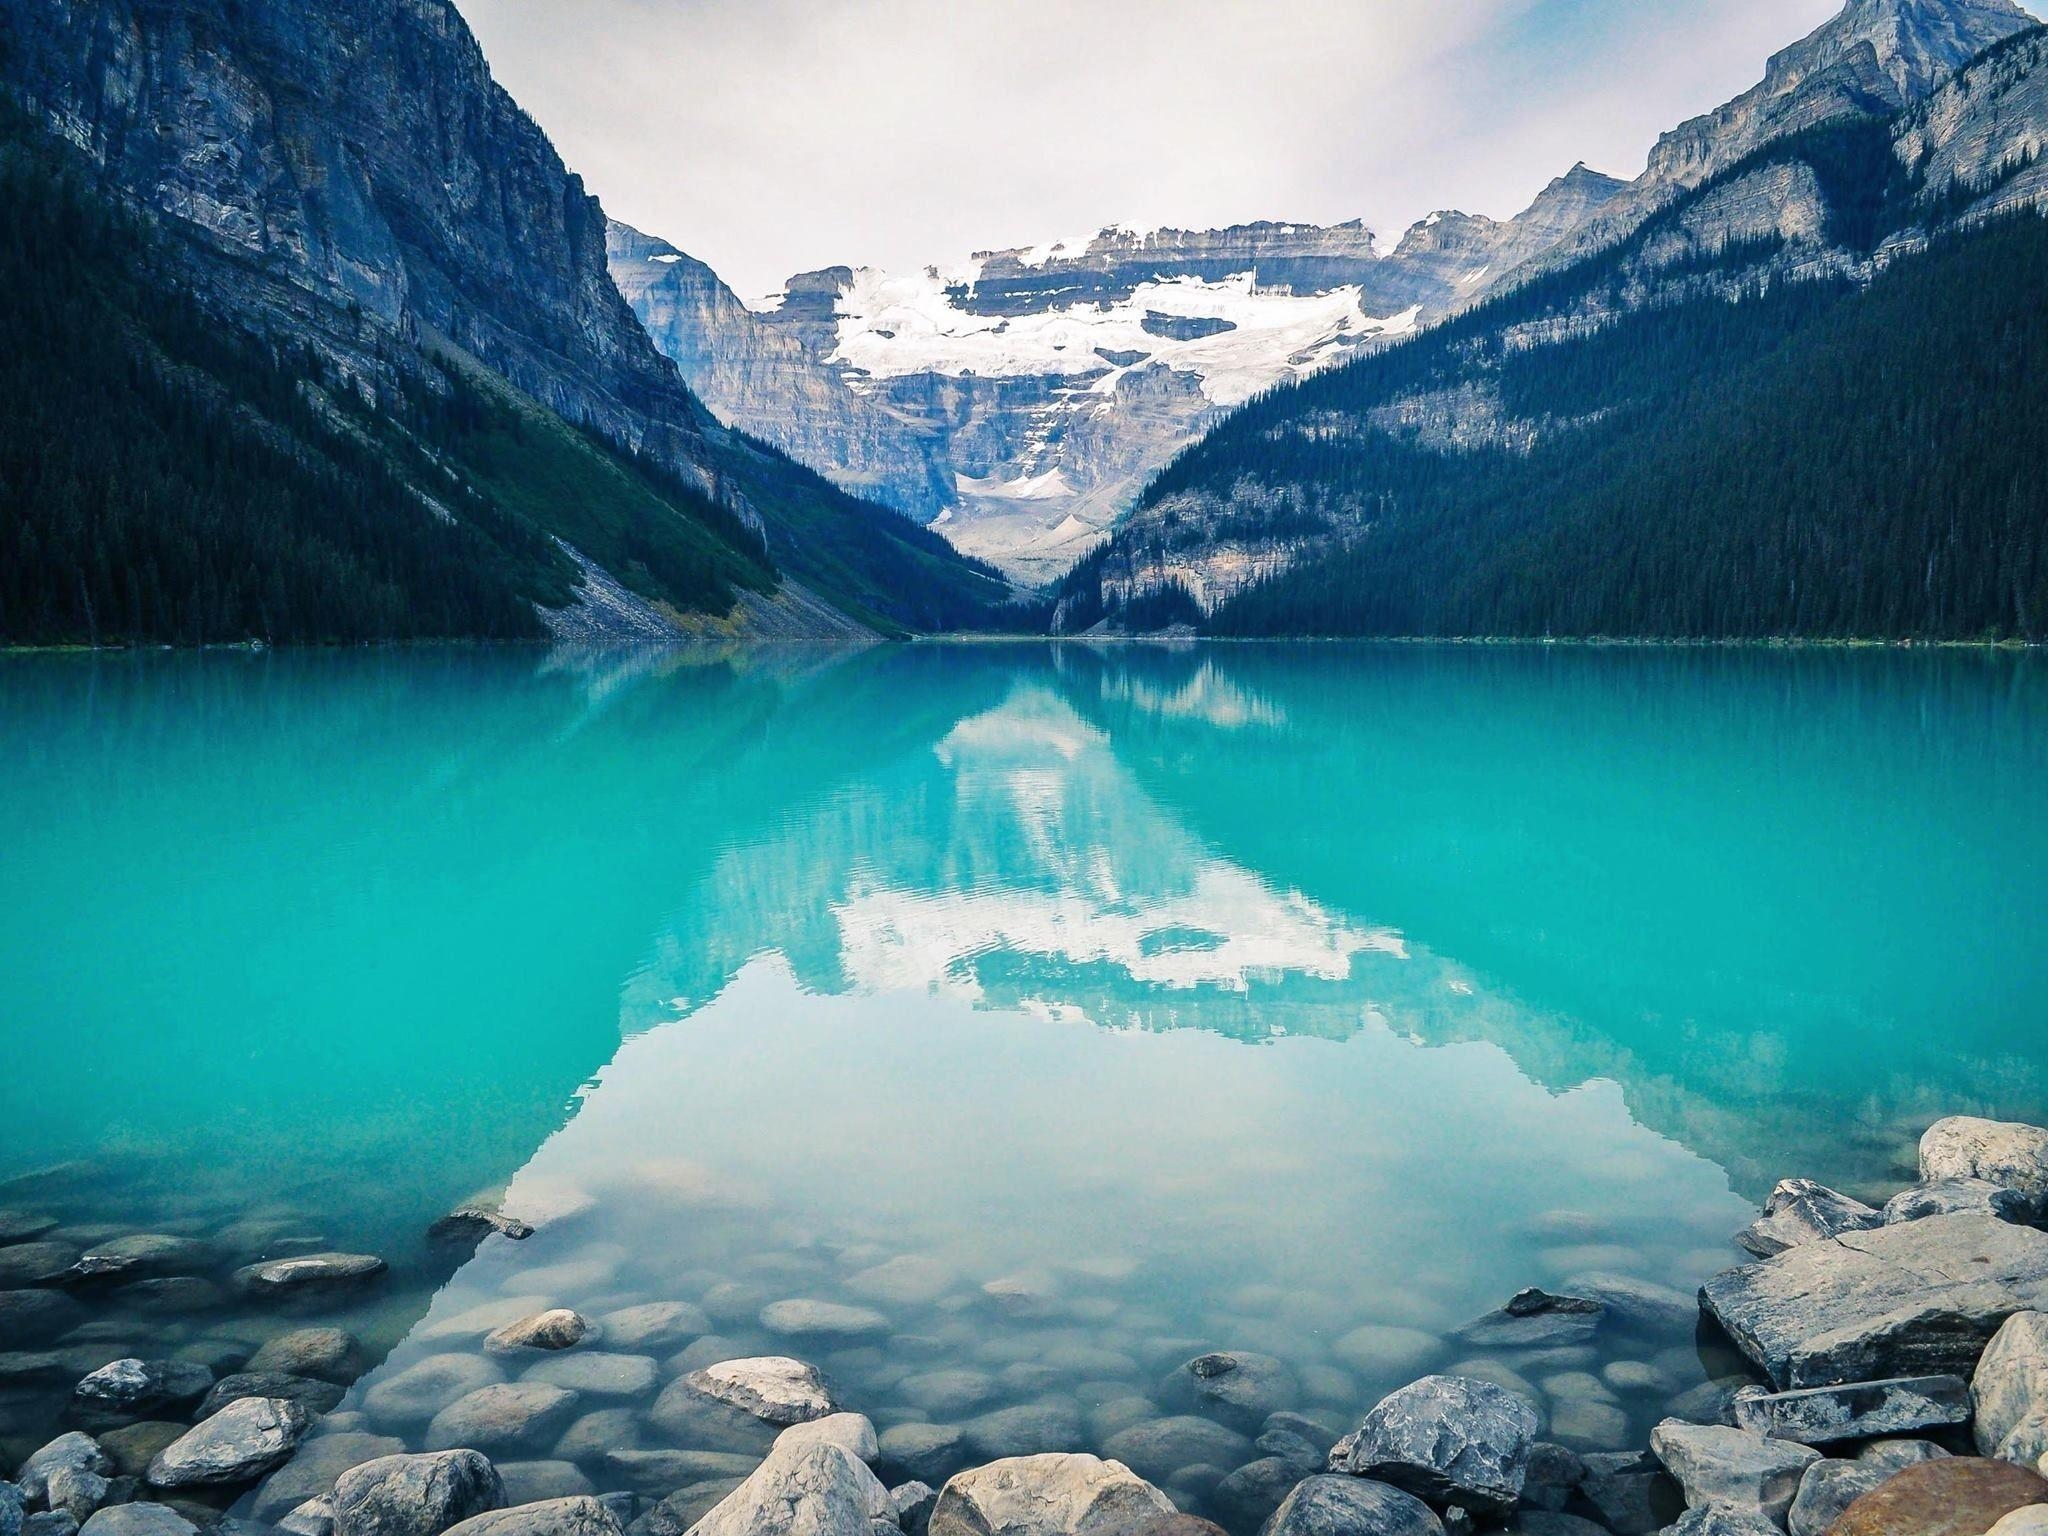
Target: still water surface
point(1076, 1011)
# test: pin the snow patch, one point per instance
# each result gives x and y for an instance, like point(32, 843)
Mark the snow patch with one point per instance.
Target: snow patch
point(666, 259)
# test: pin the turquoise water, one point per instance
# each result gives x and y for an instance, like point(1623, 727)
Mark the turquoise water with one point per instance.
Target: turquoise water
point(1190, 999)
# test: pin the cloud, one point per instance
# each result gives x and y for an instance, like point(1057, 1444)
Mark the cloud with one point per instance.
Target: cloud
point(774, 136)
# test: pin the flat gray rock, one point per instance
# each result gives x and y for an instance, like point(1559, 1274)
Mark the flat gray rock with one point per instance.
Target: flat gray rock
point(1640, 1307)
point(309, 1274)
point(803, 1319)
point(1861, 1411)
point(316, 1397)
point(556, 1328)
point(773, 1388)
point(1957, 1197)
point(1999, 1152)
point(654, 1327)
point(511, 1419)
point(35, 1317)
point(1158, 1448)
point(1351, 1506)
point(244, 1440)
point(1827, 1489)
point(1049, 1495)
point(816, 1489)
point(321, 1459)
point(2010, 1392)
point(1713, 1520)
point(580, 1516)
point(926, 1451)
point(598, 1374)
point(1800, 1211)
point(1919, 1299)
point(415, 1394)
point(1445, 1439)
point(1738, 1468)
point(138, 1520)
point(1236, 1386)
point(662, 1471)
point(853, 1433)
point(123, 1391)
point(326, 1354)
point(1536, 1319)
point(415, 1495)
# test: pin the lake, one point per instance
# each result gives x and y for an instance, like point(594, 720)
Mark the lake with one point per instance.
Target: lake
point(1049, 1016)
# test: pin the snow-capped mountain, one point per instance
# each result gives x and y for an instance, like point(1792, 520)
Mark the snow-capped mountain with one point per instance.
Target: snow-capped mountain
point(1023, 398)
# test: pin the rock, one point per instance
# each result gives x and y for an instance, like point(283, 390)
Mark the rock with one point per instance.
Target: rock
point(245, 1439)
point(1956, 1496)
point(49, 1522)
point(1999, 1152)
point(853, 1433)
point(1639, 1306)
point(170, 1296)
point(309, 1275)
point(594, 1434)
point(33, 1317)
point(654, 1327)
point(926, 1451)
point(598, 1375)
point(1919, 1299)
point(913, 1503)
point(1715, 1520)
point(803, 1490)
point(127, 1390)
point(320, 1461)
point(133, 1447)
point(1800, 1211)
point(316, 1397)
point(1957, 1197)
point(1158, 1448)
point(581, 1516)
point(1535, 1319)
point(1239, 1388)
point(1711, 1402)
point(822, 1320)
point(1248, 1496)
point(557, 1328)
point(1537, 1522)
point(1554, 1475)
point(948, 1391)
point(473, 1223)
point(326, 1354)
point(1827, 1489)
point(1293, 1449)
point(11, 1505)
point(1046, 1495)
point(1630, 1492)
point(24, 1227)
point(773, 1388)
point(1446, 1439)
point(32, 1264)
point(138, 1520)
point(1826, 1415)
point(1351, 1506)
point(684, 1416)
point(411, 1495)
point(1385, 1353)
point(2031, 1521)
point(70, 1473)
point(511, 1419)
point(2010, 1391)
point(1900, 1454)
point(424, 1388)
point(1029, 1429)
point(658, 1472)
point(909, 1280)
point(1718, 1465)
point(315, 1517)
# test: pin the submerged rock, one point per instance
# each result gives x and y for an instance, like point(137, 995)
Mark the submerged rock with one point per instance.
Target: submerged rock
point(126, 1390)
point(1240, 1388)
point(1717, 1520)
point(35, 1317)
point(556, 1328)
point(597, 1374)
point(321, 1459)
point(512, 1419)
point(817, 1489)
point(245, 1439)
point(1800, 1211)
point(772, 1388)
point(654, 1326)
point(1631, 1492)
point(578, 1516)
point(1047, 1495)
point(1999, 1152)
point(1827, 1415)
point(1957, 1197)
point(1956, 1496)
point(1734, 1467)
point(1535, 1319)
point(316, 1397)
point(415, 1495)
point(309, 1274)
point(822, 1320)
point(2010, 1392)
point(1158, 1448)
point(473, 1223)
point(1827, 1489)
point(1446, 1439)
point(33, 1264)
point(133, 1447)
point(327, 1354)
point(71, 1474)
point(1919, 1299)
point(926, 1451)
point(143, 1519)
point(1351, 1506)
point(428, 1385)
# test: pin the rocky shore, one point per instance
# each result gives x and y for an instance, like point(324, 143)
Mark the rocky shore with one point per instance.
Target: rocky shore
point(1875, 1370)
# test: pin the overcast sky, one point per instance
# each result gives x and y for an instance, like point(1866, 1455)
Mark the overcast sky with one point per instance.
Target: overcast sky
point(770, 137)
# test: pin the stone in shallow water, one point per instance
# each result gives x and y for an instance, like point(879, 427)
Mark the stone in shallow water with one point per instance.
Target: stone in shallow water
point(2010, 1391)
point(315, 1517)
point(1999, 1152)
point(1919, 1299)
point(1956, 1197)
point(1828, 1488)
point(133, 1447)
point(1383, 1352)
point(1713, 1520)
point(71, 1473)
point(1029, 1429)
point(1736, 1467)
point(1861, 1411)
point(1956, 1496)
point(316, 1397)
point(1800, 1211)
point(926, 1451)
point(1247, 1496)
point(312, 1472)
point(853, 1433)
point(245, 1439)
point(512, 1419)
point(803, 1319)
point(556, 1328)
point(24, 1226)
point(817, 1489)
point(657, 1326)
point(309, 1275)
point(473, 1223)
point(327, 1354)
point(1535, 1319)
point(415, 1495)
point(662, 1471)
point(913, 1503)
point(142, 1519)
point(597, 1374)
point(948, 1391)
point(595, 1434)
point(908, 1280)
point(1236, 1386)
point(1048, 1495)
point(1352, 1506)
point(1445, 1438)
point(584, 1516)
point(772, 1388)
point(1639, 1306)
point(32, 1264)
point(424, 1388)
point(127, 1390)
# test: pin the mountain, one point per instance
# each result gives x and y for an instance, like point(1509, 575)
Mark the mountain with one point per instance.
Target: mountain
point(386, 235)
point(1023, 400)
point(1794, 393)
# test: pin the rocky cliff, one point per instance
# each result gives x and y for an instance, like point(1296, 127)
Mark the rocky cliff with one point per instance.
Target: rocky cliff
point(1023, 399)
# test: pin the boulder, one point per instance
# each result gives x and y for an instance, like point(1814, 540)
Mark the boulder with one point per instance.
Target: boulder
point(1717, 1520)
point(1999, 1152)
point(71, 1474)
point(803, 1319)
point(315, 1517)
point(2010, 1391)
point(415, 1495)
point(1158, 1448)
point(415, 1394)
point(948, 1391)
point(598, 1374)
point(34, 1317)
point(1029, 1429)
point(909, 1280)
point(1955, 1496)
point(1900, 1454)
point(245, 1439)
point(556, 1328)
point(1554, 1475)
point(803, 1490)
point(1239, 1388)
point(509, 1419)
point(24, 1226)
point(1828, 1488)
point(309, 1275)
point(1383, 1352)
point(659, 1472)
point(1800, 1211)
point(1740, 1468)
point(1535, 1319)
point(316, 1397)
point(124, 1391)
point(851, 1432)
point(1446, 1439)
point(11, 1506)
point(594, 1434)
point(1047, 1495)
point(1640, 1307)
point(321, 1460)
point(654, 1327)
point(2031, 1521)
point(1246, 1497)
point(1826, 1415)
point(143, 1519)
point(579, 1516)
point(1351, 1506)
point(773, 1388)
point(1957, 1197)
point(32, 1264)
point(928, 1452)
point(49, 1522)
point(133, 1447)
point(1919, 1299)
point(326, 1354)
point(471, 1224)
point(913, 1503)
